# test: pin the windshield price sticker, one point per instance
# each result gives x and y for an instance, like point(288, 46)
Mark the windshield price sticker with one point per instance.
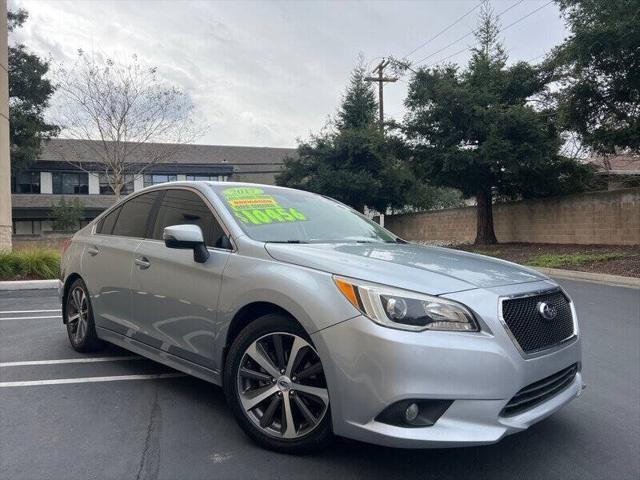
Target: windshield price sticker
point(253, 207)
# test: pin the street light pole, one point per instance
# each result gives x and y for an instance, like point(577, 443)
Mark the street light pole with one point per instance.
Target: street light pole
point(5, 165)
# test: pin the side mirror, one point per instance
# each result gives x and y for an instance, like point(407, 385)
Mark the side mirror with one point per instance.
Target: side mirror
point(186, 237)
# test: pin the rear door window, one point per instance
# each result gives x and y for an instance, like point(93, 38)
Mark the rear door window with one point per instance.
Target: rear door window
point(134, 216)
point(180, 207)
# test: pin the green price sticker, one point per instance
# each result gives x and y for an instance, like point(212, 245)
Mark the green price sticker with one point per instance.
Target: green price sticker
point(253, 207)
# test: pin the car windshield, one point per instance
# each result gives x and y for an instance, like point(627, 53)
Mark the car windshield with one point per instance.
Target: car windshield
point(270, 214)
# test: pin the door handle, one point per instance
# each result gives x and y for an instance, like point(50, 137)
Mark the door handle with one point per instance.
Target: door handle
point(93, 251)
point(142, 262)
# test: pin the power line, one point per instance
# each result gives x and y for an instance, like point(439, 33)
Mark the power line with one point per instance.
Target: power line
point(526, 16)
point(449, 56)
point(444, 30)
point(472, 32)
point(509, 8)
point(499, 31)
point(445, 47)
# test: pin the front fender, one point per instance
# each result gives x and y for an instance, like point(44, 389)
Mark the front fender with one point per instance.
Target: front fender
point(310, 296)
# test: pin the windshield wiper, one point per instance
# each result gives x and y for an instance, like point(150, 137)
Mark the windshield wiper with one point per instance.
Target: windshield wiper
point(286, 241)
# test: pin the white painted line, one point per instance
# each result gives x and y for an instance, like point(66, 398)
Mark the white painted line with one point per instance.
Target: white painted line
point(29, 318)
point(5, 312)
point(69, 360)
point(62, 381)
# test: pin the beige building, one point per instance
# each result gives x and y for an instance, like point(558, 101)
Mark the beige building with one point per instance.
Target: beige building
point(68, 168)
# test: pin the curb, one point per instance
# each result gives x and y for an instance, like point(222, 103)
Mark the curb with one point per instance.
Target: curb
point(614, 280)
point(29, 285)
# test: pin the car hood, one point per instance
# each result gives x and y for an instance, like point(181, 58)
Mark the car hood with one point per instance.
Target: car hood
point(420, 268)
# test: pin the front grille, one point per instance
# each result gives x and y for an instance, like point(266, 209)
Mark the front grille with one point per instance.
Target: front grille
point(530, 330)
point(540, 391)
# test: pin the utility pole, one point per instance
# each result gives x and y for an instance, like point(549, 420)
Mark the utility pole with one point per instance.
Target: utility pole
point(5, 169)
point(381, 79)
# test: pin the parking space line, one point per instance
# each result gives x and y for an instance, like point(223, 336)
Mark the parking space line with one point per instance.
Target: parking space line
point(5, 312)
point(30, 318)
point(117, 378)
point(69, 360)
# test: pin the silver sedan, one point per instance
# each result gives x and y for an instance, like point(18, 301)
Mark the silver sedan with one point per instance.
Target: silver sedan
point(317, 321)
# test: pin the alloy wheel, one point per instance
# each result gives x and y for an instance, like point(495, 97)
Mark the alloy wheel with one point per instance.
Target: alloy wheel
point(78, 314)
point(282, 387)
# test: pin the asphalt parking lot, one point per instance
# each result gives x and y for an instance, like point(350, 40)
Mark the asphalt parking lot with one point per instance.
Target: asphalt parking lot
point(65, 415)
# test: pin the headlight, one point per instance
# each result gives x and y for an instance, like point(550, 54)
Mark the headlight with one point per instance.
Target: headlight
point(395, 308)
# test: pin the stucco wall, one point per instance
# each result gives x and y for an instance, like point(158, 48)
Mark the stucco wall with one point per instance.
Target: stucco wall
point(611, 217)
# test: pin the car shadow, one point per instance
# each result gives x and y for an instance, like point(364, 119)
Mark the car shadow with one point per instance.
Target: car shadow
point(527, 453)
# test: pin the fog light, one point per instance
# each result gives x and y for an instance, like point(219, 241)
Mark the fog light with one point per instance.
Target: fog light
point(411, 412)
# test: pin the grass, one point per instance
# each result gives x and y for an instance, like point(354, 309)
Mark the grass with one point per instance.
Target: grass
point(35, 264)
point(489, 253)
point(571, 260)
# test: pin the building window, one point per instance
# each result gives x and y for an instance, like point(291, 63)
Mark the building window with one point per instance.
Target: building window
point(156, 179)
point(207, 178)
point(26, 182)
point(70, 183)
point(27, 227)
point(105, 189)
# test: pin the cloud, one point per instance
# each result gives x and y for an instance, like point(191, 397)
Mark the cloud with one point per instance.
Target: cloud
point(261, 73)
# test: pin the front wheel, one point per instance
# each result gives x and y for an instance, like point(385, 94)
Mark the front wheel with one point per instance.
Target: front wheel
point(78, 314)
point(275, 385)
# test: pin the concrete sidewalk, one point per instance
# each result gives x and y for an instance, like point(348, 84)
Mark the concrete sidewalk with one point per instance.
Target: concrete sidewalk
point(603, 278)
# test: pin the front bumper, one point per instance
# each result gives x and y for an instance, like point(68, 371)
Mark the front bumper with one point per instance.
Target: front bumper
point(369, 367)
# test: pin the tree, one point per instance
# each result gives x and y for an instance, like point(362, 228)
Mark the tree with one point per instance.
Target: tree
point(598, 67)
point(29, 94)
point(476, 130)
point(356, 163)
point(121, 108)
point(66, 216)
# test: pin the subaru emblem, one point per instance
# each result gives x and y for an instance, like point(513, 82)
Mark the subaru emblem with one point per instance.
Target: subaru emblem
point(547, 311)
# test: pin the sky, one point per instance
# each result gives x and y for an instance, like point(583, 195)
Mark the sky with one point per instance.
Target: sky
point(268, 73)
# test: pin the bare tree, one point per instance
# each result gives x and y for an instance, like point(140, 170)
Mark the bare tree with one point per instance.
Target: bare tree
point(120, 109)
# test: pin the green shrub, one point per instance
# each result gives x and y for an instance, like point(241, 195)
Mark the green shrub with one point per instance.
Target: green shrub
point(29, 265)
point(66, 216)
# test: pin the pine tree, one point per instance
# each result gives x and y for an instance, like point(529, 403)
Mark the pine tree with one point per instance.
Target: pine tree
point(358, 164)
point(359, 105)
point(29, 94)
point(475, 130)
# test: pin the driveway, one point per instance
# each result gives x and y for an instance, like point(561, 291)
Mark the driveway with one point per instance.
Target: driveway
point(120, 416)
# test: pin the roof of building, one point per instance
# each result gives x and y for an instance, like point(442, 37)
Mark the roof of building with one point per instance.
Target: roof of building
point(625, 164)
point(68, 150)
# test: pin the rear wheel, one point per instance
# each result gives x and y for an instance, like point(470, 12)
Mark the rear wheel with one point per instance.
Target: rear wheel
point(275, 385)
point(78, 314)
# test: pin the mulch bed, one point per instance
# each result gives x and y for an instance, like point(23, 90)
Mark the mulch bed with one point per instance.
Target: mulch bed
point(629, 266)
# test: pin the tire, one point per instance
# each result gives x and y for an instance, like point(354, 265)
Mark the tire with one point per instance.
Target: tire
point(81, 327)
point(292, 415)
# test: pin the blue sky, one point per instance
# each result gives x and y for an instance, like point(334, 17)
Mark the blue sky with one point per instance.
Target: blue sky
point(266, 73)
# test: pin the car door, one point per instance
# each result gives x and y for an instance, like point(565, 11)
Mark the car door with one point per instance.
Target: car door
point(108, 259)
point(175, 298)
